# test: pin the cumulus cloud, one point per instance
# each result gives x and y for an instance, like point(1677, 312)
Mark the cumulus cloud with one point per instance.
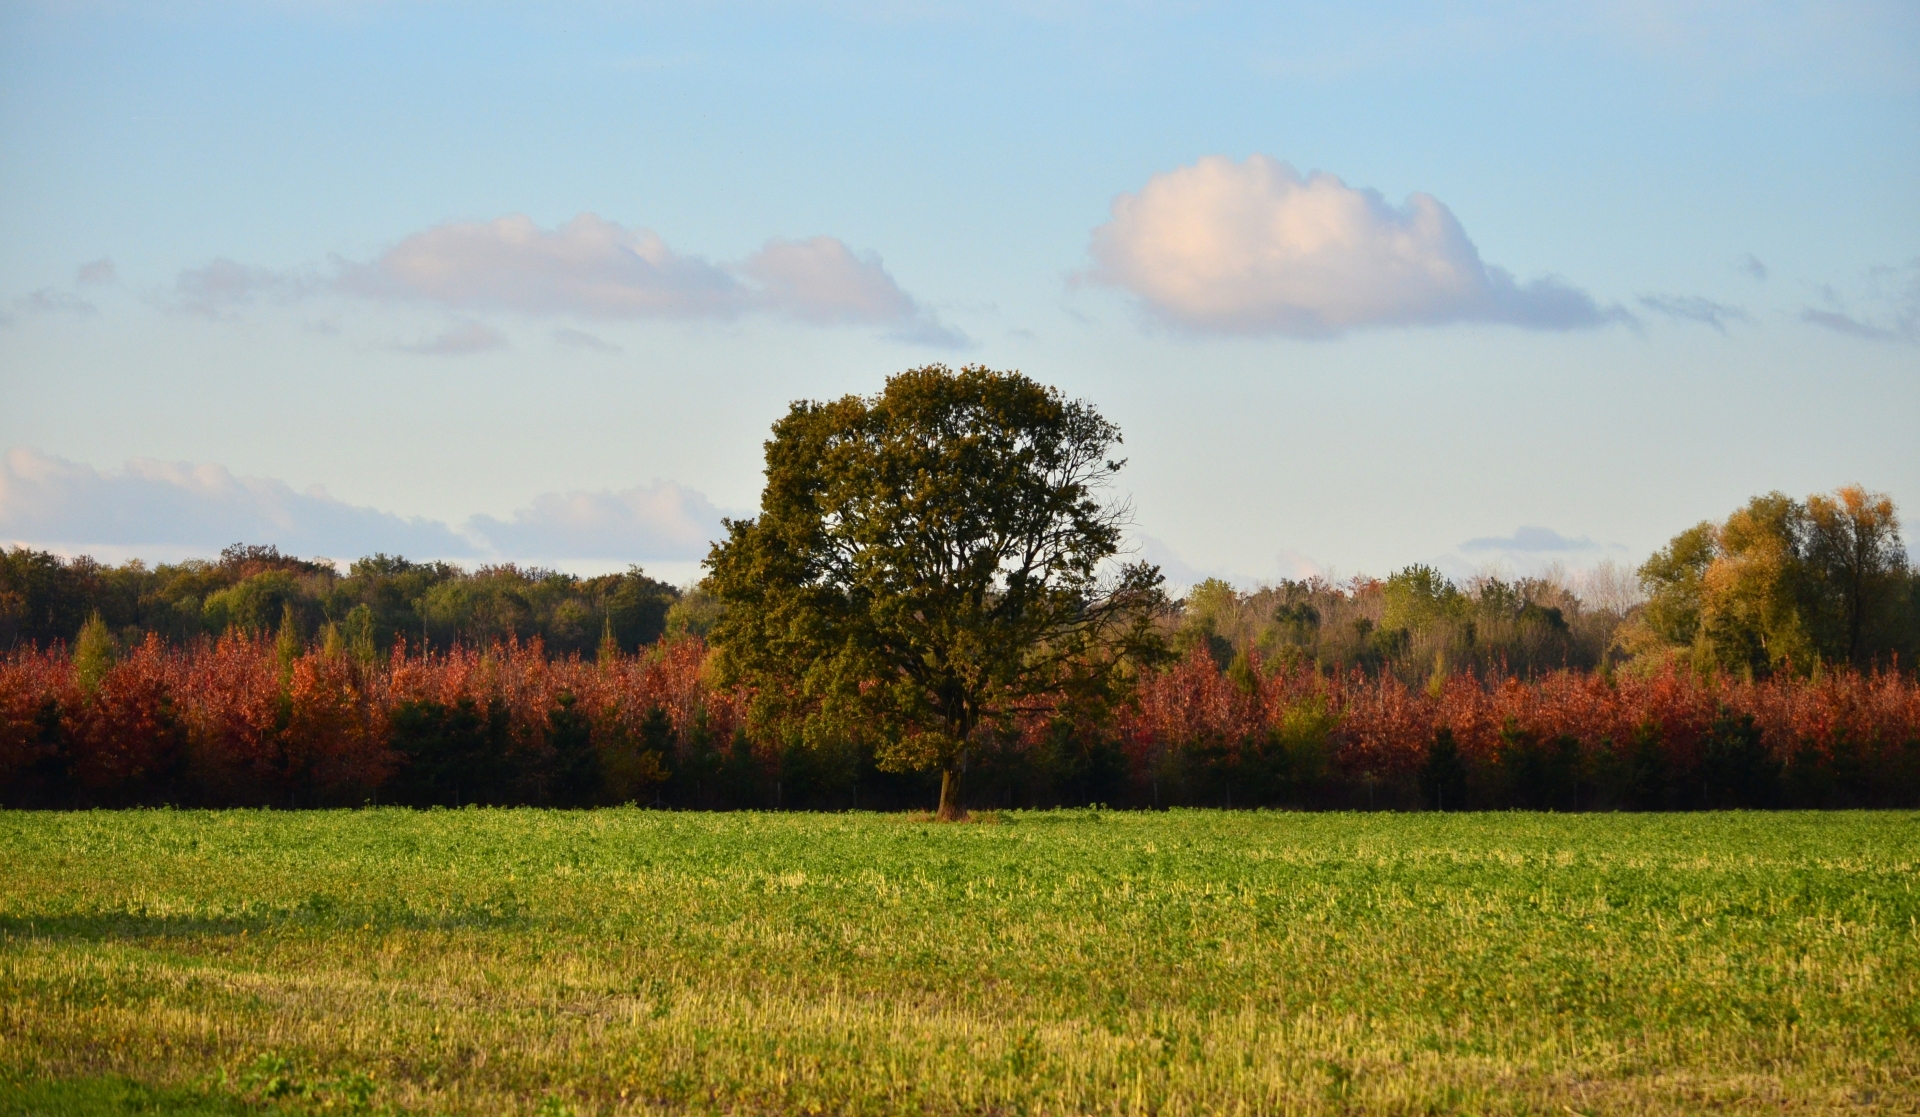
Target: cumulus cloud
point(1692, 308)
point(52, 300)
point(1886, 307)
point(183, 508)
point(658, 521)
point(1255, 248)
point(1531, 540)
point(96, 272)
point(48, 501)
point(460, 340)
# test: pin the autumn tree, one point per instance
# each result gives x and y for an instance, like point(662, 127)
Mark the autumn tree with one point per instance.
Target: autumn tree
point(1673, 579)
point(1757, 593)
point(927, 562)
point(1780, 582)
point(1853, 546)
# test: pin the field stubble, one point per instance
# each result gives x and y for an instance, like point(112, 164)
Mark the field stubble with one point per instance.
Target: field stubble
point(624, 961)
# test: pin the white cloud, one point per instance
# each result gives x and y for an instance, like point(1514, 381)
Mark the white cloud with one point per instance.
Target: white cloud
point(658, 521)
point(821, 280)
point(594, 268)
point(47, 501)
point(588, 266)
point(1255, 248)
point(1692, 308)
point(460, 340)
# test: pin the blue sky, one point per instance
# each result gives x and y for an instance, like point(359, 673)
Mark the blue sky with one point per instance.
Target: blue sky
point(1364, 285)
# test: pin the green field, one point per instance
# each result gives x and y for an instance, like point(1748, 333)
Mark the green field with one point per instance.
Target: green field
point(1075, 962)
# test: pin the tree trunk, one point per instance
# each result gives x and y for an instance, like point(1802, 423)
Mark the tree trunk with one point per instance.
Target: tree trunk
point(951, 808)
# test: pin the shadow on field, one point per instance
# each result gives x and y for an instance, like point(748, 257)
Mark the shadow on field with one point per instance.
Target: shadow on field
point(111, 1097)
point(105, 926)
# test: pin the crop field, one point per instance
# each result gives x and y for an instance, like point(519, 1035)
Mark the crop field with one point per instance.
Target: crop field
point(627, 961)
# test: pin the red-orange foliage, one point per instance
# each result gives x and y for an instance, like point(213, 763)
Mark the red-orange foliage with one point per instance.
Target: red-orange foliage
point(227, 722)
point(1382, 726)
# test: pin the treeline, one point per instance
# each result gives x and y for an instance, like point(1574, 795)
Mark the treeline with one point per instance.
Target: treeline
point(45, 599)
point(1764, 660)
point(1781, 585)
point(1413, 623)
point(251, 720)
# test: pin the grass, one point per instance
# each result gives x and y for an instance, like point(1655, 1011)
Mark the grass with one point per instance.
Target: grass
point(1188, 962)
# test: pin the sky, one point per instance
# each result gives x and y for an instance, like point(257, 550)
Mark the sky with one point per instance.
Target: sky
point(1487, 286)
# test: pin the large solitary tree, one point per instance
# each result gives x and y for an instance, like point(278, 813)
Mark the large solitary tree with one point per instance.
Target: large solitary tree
point(928, 562)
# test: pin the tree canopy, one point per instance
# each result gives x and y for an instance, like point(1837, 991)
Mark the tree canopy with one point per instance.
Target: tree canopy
point(928, 564)
point(45, 599)
point(1783, 582)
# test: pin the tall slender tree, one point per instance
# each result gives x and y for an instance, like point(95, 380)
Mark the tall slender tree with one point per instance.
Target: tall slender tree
point(1854, 547)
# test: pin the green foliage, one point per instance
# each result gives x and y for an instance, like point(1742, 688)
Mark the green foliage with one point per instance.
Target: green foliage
point(1419, 599)
point(358, 632)
point(924, 560)
point(1443, 775)
point(1542, 772)
point(44, 599)
point(694, 613)
point(256, 604)
point(1416, 624)
point(1037, 962)
point(1736, 766)
point(634, 605)
point(288, 644)
point(451, 754)
point(1645, 775)
point(1860, 570)
point(1207, 604)
point(93, 654)
point(1783, 583)
point(1242, 674)
point(1203, 612)
point(1675, 581)
point(576, 768)
point(90, 1096)
point(1304, 739)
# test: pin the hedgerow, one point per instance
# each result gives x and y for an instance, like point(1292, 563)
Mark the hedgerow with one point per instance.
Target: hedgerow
point(251, 721)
